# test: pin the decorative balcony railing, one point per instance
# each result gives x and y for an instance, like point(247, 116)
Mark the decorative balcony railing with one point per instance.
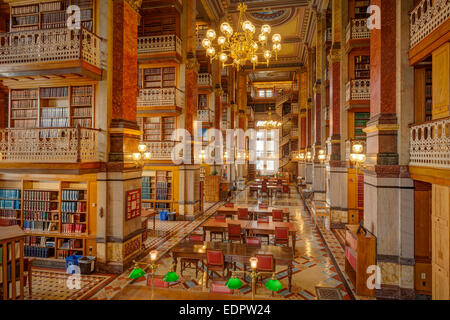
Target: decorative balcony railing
point(357, 90)
point(204, 115)
point(160, 97)
point(55, 145)
point(294, 108)
point(295, 132)
point(357, 29)
point(426, 17)
point(285, 139)
point(430, 144)
point(160, 150)
point(225, 98)
point(51, 45)
point(205, 79)
point(159, 44)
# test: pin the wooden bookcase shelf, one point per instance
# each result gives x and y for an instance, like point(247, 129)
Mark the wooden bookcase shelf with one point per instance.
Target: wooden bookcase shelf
point(157, 190)
point(52, 107)
point(360, 122)
point(157, 128)
point(11, 263)
point(362, 67)
point(51, 214)
point(162, 77)
point(159, 25)
point(50, 15)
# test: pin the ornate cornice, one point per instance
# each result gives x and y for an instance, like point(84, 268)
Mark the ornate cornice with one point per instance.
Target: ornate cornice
point(135, 4)
point(192, 64)
point(334, 56)
point(218, 91)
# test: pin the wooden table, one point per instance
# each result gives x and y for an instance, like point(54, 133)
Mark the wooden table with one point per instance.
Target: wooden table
point(212, 225)
point(148, 213)
point(269, 228)
point(234, 252)
point(229, 212)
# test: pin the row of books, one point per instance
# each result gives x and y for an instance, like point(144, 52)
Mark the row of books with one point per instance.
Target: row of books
point(54, 17)
point(10, 204)
point(73, 195)
point(40, 226)
point(62, 254)
point(25, 20)
point(72, 217)
point(54, 6)
point(82, 91)
point(38, 252)
point(82, 112)
point(24, 104)
point(73, 228)
point(81, 101)
point(71, 244)
point(162, 191)
point(82, 3)
point(85, 123)
point(8, 215)
point(54, 92)
point(40, 205)
point(8, 222)
point(24, 94)
point(40, 216)
point(55, 112)
point(73, 206)
point(39, 195)
point(39, 241)
point(55, 123)
point(9, 194)
point(25, 113)
point(24, 124)
point(25, 9)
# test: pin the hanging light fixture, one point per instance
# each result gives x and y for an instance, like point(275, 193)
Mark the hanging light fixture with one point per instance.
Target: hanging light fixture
point(240, 46)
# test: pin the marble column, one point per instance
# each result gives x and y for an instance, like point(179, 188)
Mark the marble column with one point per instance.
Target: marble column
point(388, 188)
point(119, 239)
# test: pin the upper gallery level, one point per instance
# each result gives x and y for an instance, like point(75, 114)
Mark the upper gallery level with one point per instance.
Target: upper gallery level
point(38, 41)
point(357, 33)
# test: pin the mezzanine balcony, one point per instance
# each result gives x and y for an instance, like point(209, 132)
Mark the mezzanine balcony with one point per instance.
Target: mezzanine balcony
point(53, 51)
point(426, 17)
point(204, 80)
point(160, 150)
point(357, 30)
point(430, 144)
point(204, 115)
point(161, 99)
point(357, 91)
point(168, 46)
point(55, 145)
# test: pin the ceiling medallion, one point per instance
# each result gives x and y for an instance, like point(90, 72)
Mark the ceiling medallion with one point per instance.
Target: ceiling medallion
point(240, 45)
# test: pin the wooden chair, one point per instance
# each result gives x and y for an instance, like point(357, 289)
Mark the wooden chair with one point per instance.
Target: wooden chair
point(266, 263)
point(277, 215)
point(192, 263)
point(213, 235)
point(215, 262)
point(282, 236)
point(243, 214)
point(235, 233)
point(253, 242)
point(287, 190)
point(229, 205)
point(264, 190)
point(263, 236)
point(263, 206)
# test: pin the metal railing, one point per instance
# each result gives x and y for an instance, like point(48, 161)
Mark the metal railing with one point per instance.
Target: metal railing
point(204, 79)
point(159, 44)
point(160, 97)
point(160, 150)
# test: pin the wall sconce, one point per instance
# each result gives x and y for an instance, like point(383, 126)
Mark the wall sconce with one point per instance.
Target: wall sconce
point(301, 156)
point(357, 155)
point(322, 156)
point(142, 154)
point(308, 156)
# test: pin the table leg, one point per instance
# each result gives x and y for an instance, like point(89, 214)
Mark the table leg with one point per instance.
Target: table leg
point(290, 276)
point(288, 218)
point(175, 262)
point(204, 234)
point(154, 223)
point(293, 242)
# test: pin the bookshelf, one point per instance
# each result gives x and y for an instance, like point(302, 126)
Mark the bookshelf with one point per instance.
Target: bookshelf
point(11, 263)
point(362, 67)
point(428, 93)
point(157, 128)
point(53, 214)
point(52, 107)
point(202, 101)
point(50, 15)
point(160, 25)
point(164, 77)
point(168, 126)
point(360, 122)
point(157, 190)
point(360, 9)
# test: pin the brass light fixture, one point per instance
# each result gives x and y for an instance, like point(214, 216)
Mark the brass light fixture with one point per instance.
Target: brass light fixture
point(240, 45)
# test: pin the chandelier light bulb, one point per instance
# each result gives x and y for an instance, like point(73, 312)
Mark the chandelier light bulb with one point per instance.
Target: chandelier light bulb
point(223, 57)
point(210, 51)
point(266, 29)
point(276, 38)
point(226, 28)
point(277, 46)
point(211, 34)
point(221, 40)
point(254, 58)
point(206, 43)
point(247, 26)
point(255, 45)
point(267, 54)
point(262, 37)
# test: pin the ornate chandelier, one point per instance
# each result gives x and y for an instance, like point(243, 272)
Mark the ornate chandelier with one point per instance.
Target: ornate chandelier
point(240, 46)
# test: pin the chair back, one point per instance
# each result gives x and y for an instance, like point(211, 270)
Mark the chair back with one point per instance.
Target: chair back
point(285, 189)
point(229, 205)
point(220, 218)
point(265, 262)
point(263, 219)
point(264, 188)
point(253, 242)
point(277, 215)
point(215, 257)
point(263, 206)
point(243, 213)
point(197, 238)
point(281, 233)
point(234, 229)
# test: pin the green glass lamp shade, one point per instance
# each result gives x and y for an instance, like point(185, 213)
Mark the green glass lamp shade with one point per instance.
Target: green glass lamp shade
point(136, 273)
point(234, 283)
point(171, 277)
point(274, 285)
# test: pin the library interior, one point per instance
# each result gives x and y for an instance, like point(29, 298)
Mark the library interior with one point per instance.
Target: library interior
point(224, 149)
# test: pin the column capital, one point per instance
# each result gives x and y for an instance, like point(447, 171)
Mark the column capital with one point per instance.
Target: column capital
point(192, 64)
point(134, 4)
point(334, 55)
point(218, 90)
